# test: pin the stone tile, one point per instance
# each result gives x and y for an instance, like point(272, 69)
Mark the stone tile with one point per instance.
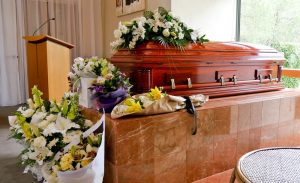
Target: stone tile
point(243, 143)
point(269, 136)
point(244, 114)
point(206, 123)
point(254, 138)
point(224, 152)
point(256, 115)
point(270, 112)
point(135, 146)
point(110, 141)
point(286, 134)
point(222, 120)
point(297, 107)
point(287, 109)
point(170, 136)
point(234, 119)
point(110, 173)
point(170, 168)
point(141, 171)
point(297, 132)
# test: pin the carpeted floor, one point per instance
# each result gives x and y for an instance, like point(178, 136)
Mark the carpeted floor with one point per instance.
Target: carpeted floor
point(10, 170)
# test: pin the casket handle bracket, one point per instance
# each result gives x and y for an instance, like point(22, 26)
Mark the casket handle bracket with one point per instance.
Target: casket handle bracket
point(234, 79)
point(222, 80)
point(189, 81)
point(173, 86)
point(260, 77)
point(270, 77)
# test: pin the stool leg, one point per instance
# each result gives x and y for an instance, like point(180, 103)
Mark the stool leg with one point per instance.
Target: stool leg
point(232, 178)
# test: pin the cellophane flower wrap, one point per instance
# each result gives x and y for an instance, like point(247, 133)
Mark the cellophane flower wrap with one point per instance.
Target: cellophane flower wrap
point(154, 102)
point(161, 26)
point(46, 127)
point(108, 87)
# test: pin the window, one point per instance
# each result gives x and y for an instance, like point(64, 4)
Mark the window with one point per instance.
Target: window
point(274, 23)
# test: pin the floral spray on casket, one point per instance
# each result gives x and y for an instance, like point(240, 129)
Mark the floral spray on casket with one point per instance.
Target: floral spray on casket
point(59, 140)
point(106, 84)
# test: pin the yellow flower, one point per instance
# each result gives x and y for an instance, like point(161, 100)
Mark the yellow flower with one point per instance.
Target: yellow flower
point(104, 71)
point(128, 23)
point(173, 34)
point(66, 162)
point(129, 101)
point(86, 161)
point(155, 94)
point(27, 130)
point(135, 107)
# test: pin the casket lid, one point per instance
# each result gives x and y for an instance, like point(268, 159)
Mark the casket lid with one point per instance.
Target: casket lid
point(208, 51)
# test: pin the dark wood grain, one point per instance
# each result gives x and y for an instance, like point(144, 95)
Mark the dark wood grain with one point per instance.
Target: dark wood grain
point(152, 64)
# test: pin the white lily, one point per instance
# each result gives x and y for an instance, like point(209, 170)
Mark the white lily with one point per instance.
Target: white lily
point(61, 125)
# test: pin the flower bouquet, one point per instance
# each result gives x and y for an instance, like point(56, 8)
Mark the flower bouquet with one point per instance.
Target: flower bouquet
point(161, 26)
point(47, 129)
point(107, 85)
point(154, 102)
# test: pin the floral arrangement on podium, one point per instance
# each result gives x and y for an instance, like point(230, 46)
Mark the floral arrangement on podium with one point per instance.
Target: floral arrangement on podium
point(154, 102)
point(161, 26)
point(101, 82)
point(57, 136)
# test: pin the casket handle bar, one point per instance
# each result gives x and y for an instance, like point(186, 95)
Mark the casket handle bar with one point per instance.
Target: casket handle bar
point(234, 79)
point(189, 81)
point(222, 80)
point(260, 77)
point(173, 86)
point(191, 109)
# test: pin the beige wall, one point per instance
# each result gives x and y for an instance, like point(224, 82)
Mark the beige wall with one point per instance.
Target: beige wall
point(215, 18)
point(111, 20)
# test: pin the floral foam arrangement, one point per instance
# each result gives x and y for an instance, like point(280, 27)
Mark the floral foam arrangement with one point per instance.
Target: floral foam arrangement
point(46, 127)
point(109, 86)
point(161, 26)
point(154, 102)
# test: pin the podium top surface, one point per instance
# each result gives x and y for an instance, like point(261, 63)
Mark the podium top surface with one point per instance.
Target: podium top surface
point(42, 38)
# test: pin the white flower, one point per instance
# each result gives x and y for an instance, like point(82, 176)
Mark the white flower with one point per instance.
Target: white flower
point(52, 143)
point(132, 44)
point(30, 103)
point(12, 121)
point(61, 125)
point(170, 13)
point(166, 32)
point(180, 35)
point(71, 136)
point(38, 117)
point(27, 113)
point(43, 124)
point(101, 80)
point(89, 148)
point(88, 123)
point(155, 29)
point(51, 118)
point(117, 33)
point(123, 28)
point(39, 142)
point(109, 76)
point(194, 35)
point(168, 25)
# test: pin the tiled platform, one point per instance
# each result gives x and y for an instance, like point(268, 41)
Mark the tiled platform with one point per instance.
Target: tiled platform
point(161, 149)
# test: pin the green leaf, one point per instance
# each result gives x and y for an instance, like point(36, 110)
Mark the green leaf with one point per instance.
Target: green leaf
point(73, 150)
point(89, 140)
point(65, 108)
point(99, 140)
point(148, 14)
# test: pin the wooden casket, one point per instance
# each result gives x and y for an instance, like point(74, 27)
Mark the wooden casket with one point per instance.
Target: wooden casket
point(216, 68)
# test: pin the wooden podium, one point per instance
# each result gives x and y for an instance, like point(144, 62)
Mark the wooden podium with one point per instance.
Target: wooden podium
point(48, 65)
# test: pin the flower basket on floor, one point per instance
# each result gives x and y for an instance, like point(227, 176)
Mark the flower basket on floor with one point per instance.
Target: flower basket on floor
point(108, 88)
point(57, 133)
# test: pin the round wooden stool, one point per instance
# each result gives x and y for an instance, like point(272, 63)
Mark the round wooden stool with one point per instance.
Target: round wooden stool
point(269, 165)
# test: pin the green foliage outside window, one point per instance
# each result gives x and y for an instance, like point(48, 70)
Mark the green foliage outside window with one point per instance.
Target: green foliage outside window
point(275, 23)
